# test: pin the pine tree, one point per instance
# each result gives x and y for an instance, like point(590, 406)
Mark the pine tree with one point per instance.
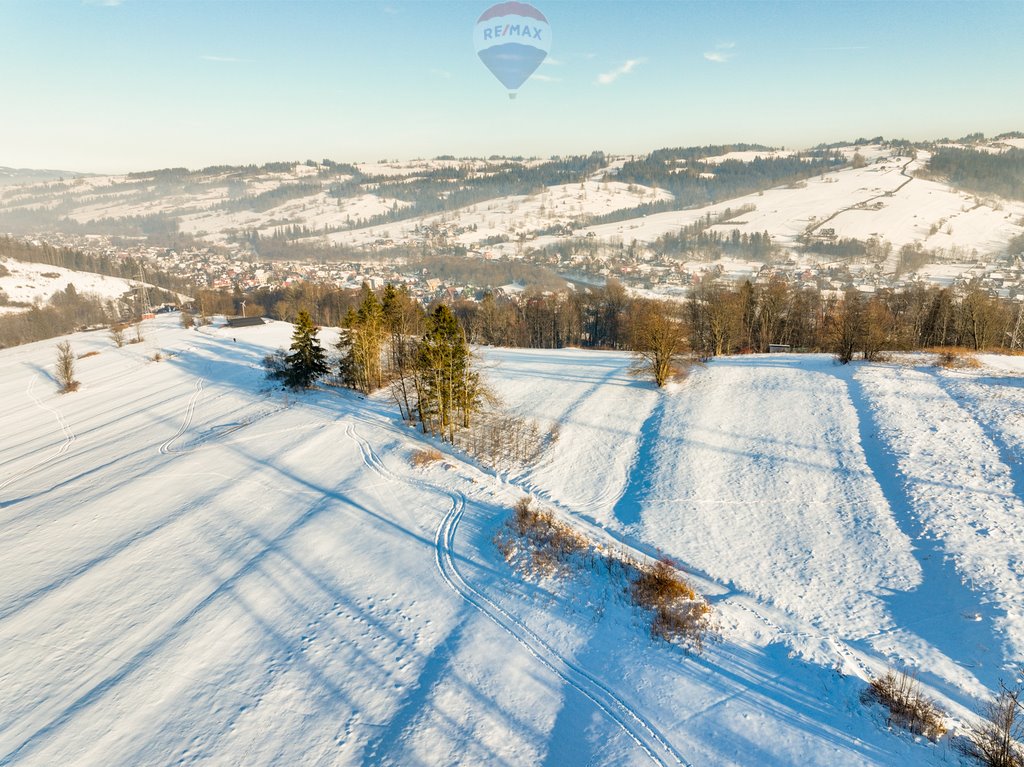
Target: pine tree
point(307, 360)
point(448, 389)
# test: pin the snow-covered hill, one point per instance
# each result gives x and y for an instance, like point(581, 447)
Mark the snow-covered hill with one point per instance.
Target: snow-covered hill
point(882, 200)
point(26, 282)
point(198, 569)
point(879, 196)
point(17, 176)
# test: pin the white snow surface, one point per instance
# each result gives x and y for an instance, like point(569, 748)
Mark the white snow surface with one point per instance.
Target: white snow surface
point(199, 568)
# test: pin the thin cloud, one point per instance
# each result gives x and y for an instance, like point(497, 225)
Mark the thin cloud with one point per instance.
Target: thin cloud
point(552, 62)
point(842, 48)
point(224, 59)
point(721, 54)
point(607, 78)
point(441, 73)
point(105, 3)
point(546, 78)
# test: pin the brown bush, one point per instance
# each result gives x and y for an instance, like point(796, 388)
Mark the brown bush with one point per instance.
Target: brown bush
point(659, 585)
point(87, 354)
point(679, 614)
point(546, 545)
point(907, 704)
point(65, 368)
point(551, 543)
point(955, 358)
point(538, 542)
point(425, 456)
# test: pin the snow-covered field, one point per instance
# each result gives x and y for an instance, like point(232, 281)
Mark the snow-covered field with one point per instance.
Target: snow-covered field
point(198, 569)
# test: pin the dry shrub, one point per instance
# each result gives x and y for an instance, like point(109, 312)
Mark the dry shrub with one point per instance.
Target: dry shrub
point(545, 544)
point(536, 541)
point(998, 739)
point(955, 358)
point(87, 354)
point(425, 456)
point(157, 357)
point(660, 584)
point(679, 614)
point(551, 542)
point(907, 704)
point(65, 369)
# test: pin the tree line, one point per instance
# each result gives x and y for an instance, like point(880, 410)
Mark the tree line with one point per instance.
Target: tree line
point(66, 312)
point(979, 171)
point(718, 318)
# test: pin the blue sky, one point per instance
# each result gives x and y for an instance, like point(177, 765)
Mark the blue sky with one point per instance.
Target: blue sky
point(137, 84)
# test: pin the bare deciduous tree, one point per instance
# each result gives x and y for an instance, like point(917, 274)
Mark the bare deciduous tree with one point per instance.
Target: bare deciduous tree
point(66, 367)
point(998, 739)
point(658, 339)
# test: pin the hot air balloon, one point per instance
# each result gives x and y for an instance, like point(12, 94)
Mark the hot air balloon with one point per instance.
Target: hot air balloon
point(512, 40)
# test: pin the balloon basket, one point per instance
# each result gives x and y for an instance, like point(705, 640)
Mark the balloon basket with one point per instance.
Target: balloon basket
point(511, 96)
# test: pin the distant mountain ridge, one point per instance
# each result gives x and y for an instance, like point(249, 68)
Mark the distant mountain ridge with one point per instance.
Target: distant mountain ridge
point(15, 176)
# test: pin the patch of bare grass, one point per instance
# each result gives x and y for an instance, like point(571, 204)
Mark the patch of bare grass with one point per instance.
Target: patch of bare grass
point(909, 708)
point(535, 541)
point(955, 358)
point(425, 456)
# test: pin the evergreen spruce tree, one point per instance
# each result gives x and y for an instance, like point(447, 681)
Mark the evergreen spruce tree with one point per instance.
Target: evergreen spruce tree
point(307, 361)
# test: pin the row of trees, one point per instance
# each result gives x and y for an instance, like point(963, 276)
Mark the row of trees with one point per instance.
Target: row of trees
point(67, 311)
point(720, 319)
point(715, 319)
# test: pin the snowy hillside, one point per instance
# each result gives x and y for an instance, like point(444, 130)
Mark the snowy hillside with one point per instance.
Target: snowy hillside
point(199, 569)
point(30, 282)
point(878, 194)
point(882, 200)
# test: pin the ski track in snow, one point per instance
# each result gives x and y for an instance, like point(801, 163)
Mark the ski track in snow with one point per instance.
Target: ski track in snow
point(69, 436)
point(642, 731)
point(190, 409)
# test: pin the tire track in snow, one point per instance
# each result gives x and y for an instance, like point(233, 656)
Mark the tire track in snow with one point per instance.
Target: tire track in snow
point(190, 410)
point(69, 436)
point(639, 729)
